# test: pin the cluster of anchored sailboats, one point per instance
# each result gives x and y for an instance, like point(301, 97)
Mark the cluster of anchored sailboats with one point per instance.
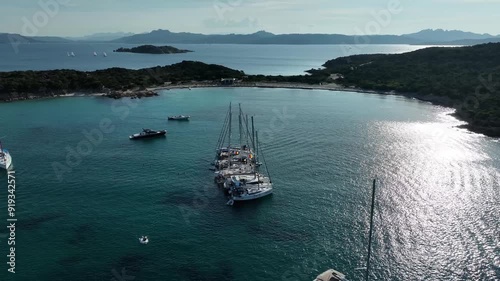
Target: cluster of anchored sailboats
point(237, 166)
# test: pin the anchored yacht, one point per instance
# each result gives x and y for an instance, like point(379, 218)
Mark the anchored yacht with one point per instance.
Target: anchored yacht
point(5, 158)
point(179, 118)
point(147, 133)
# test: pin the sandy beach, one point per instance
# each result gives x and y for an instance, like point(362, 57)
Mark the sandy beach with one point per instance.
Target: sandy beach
point(275, 85)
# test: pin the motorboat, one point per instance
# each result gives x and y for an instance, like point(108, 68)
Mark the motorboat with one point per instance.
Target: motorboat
point(331, 275)
point(144, 240)
point(147, 133)
point(179, 118)
point(5, 159)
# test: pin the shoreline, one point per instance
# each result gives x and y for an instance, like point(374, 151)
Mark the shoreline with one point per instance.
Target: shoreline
point(434, 100)
point(268, 85)
point(154, 91)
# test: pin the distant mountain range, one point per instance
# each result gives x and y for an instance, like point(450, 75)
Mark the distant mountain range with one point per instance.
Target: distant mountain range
point(424, 37)
point(440, 35)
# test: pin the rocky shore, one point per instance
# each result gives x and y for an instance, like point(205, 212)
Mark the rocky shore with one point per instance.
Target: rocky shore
point(134, 94)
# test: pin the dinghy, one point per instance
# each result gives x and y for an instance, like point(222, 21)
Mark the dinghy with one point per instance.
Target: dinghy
point(144, 240)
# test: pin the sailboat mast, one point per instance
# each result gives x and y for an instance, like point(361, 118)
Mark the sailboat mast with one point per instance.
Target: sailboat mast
point(371, 232)
point(241, 125)
point(256, 157)
point(230, 125)
point(2, 156)
point(247, 131)
point(256, 148)
point(253, 135)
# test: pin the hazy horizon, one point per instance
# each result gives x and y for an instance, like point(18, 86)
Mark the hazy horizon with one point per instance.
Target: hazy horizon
point(220, 33)
point(76, 18)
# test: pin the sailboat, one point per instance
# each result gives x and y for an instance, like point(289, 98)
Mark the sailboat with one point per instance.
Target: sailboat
point(5, 158)
point(333, 275)
point(242, 190)
point(236, 165)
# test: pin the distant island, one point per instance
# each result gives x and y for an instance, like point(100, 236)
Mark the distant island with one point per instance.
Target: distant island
point(150, 49)
point(464, 78)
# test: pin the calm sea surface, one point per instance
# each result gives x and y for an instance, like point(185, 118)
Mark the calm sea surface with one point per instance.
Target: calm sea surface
point(253, 59)
point(437, 207)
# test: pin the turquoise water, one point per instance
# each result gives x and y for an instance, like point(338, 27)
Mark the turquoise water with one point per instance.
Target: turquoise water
point(436, 212)
point(253, 59)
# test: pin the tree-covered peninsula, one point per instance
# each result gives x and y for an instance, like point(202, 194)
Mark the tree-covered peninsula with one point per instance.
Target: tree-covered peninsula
point(465, 78)
point(150, 49)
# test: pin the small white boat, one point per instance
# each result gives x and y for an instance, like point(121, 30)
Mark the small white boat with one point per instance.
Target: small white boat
point(331, 275)
point(5, 159)
point(179, 118)
point(104, 54)
point(72, 54)
point(144, 240)
point(95, 54)
point(69, 55)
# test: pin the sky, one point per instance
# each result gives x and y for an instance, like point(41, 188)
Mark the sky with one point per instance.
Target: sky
point(357, 17)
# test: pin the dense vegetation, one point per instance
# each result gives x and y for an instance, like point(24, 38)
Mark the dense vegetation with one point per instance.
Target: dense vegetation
point(25, 84)
point(150, 49)
point(466, 78)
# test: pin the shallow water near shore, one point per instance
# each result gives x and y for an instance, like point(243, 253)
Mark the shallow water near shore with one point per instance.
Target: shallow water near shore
point(436, 211)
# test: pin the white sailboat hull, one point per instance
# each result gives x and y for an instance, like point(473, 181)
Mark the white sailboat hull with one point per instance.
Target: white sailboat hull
point(254, 193)
point(6, 161)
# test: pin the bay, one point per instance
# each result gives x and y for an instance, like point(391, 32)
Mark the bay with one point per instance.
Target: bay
point(253, 59)
point(436, 212)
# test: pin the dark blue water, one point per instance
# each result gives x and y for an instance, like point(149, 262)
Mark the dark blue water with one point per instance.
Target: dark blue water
point(437, 203)
point(253, 59)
